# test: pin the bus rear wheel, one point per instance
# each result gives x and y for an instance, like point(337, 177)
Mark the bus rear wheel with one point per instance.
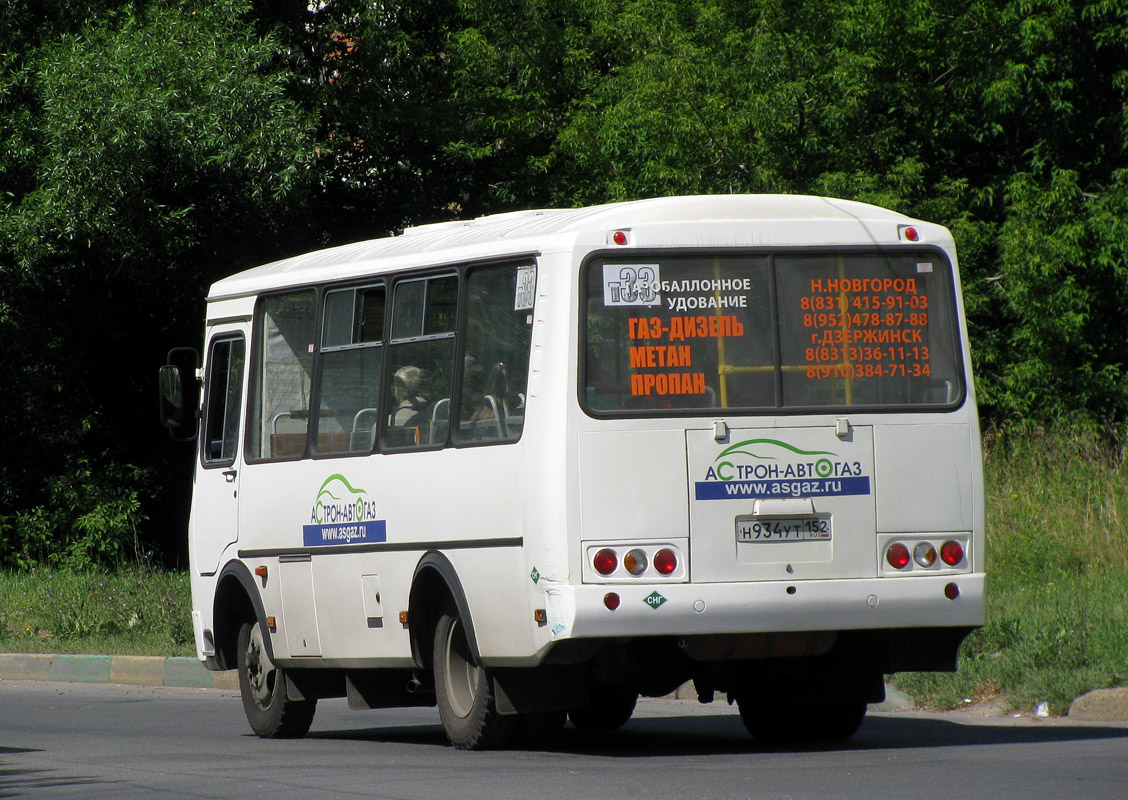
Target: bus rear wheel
point(263, 684)
point(782, 723)
point(610, 708)
point(464, 691)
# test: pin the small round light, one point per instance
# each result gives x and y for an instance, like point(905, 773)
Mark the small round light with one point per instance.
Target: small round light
point(619, 237)
point(897, 555)
point(605, 561)
point(952, 553)
point(635, 562)
point(951, 591)
point(665, 561)
point(924, 554)
point(611, 600)
point(912, 234)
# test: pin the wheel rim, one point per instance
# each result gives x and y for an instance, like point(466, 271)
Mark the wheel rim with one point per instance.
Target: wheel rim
point(261, 671)
point(462, 676)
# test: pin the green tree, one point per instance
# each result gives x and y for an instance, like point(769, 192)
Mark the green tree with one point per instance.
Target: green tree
point(147, 149)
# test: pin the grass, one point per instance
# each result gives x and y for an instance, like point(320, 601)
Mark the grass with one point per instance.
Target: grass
point(1057, 607)
point(1057, 602)
point(128, 612)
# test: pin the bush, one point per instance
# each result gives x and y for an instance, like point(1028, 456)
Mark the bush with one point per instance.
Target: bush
point(91, 520)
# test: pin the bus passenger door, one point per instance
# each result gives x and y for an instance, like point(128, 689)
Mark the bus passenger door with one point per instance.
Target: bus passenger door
point(215, 516)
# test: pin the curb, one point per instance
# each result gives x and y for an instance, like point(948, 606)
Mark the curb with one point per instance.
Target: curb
point(1101, 705)
point(181, 671)
point(185, 671)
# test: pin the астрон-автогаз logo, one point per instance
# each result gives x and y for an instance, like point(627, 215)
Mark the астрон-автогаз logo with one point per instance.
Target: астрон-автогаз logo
point(342, 514)
point(762, 468)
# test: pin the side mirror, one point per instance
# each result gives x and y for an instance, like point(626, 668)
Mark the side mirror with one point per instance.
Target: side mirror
point(178, 400)
point(172, 397)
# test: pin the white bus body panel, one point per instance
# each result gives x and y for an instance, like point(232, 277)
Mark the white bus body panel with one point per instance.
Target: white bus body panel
point(516, 520)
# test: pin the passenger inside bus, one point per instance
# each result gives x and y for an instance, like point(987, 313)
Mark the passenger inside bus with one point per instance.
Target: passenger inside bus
point(483, 400)
point(405, 390)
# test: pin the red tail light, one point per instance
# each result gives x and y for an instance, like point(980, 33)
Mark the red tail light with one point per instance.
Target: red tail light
point(665, 561)
point(605, 561)
point(952, 553)
point(897, 555)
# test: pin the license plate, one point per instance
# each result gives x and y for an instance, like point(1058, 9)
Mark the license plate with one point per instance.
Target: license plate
point(783, 529)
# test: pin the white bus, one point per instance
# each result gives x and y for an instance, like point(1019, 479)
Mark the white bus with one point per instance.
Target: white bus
point(541, 463)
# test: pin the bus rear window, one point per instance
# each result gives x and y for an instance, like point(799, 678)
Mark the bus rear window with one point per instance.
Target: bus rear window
point(763, 332)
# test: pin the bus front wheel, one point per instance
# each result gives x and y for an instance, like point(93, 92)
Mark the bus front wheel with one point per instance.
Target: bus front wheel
point(262, 684)
point(464, 691)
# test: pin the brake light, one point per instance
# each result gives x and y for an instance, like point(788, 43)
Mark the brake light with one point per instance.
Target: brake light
point(665, 561)
point(951, 553)
point(897, 556)
point(605, 561)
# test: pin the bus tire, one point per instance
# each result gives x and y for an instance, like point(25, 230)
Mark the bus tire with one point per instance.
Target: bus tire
point(782, 723)
point(540, 728)
point(610, 708)
point(464, 691)
point(263, 684)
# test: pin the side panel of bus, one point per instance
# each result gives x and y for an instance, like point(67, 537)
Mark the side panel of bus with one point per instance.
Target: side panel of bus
point(335, 536)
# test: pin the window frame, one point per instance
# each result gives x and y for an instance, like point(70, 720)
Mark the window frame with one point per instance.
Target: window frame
point(223, 337)
point(456, 439)
point(460, 271)
point(256, 364)
point(392, 341)
point(320, 349)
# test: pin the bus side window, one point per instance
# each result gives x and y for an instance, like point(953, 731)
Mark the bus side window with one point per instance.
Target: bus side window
point(351, 361)
point(420, 362)
point(496, 364)
point(224, 392)
point(278, 420)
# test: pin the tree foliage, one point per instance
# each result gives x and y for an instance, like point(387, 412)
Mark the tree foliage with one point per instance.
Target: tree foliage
point(149, 146)
point(146, 149)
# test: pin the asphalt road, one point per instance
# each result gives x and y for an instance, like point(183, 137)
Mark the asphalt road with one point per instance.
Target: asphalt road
point(99, 741)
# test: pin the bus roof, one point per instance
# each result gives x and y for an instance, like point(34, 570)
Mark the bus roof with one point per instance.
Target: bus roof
point(542, 230)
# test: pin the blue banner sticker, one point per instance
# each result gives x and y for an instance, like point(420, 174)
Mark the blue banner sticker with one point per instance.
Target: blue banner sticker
point(369, 532)
point(829, 487)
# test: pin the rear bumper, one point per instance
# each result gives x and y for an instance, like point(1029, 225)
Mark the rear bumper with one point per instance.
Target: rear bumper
point(688, 609)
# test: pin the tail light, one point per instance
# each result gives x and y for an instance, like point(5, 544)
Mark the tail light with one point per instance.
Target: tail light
point(897, 555)
point(951, 553)
point(665, 561)
point(924, 554)
point(920, 554)
point(635, 562)
point(606, 561)
point(630, 561)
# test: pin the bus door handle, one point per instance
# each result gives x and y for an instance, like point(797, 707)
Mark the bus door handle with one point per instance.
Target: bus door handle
point(229, 475)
